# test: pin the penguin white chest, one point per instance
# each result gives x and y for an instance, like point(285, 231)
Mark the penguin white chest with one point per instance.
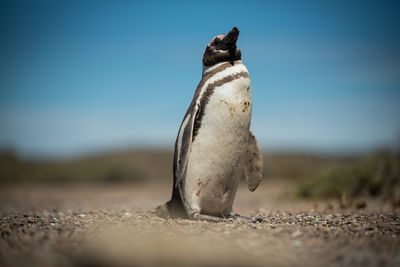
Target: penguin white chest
point(217, 155)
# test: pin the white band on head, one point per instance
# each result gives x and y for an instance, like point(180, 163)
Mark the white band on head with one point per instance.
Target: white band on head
point(221, 36)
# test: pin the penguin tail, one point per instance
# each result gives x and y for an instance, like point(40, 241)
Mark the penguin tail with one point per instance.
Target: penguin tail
point(161, 211)
point(170, 209)
point(176, 209)
point(173, 208)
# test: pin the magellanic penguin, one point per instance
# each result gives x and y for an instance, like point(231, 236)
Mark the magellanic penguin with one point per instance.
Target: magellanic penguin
point(215, 146)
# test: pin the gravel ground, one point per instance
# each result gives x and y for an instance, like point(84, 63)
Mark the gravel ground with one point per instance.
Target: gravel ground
point(112, 226)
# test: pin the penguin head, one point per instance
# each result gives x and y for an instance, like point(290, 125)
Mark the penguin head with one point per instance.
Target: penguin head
point(222, 48)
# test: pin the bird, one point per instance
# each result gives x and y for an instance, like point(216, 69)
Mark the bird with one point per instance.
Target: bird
point(214, 147)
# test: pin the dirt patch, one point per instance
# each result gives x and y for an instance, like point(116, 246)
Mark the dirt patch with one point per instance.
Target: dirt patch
point(103, 226)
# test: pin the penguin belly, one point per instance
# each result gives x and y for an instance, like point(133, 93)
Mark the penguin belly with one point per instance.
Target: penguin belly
point(218, 152)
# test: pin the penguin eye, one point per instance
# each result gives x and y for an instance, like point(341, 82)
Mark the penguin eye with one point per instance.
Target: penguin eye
point(216, 41)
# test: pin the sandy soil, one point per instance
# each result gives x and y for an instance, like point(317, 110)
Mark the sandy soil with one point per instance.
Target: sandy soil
point(108, 225)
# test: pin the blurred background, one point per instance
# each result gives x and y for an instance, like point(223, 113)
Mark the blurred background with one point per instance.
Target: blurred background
point(94, 91)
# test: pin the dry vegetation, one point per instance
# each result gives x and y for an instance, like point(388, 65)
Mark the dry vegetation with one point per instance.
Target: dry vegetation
point(147, 165)
point(129, 166)
point(375, 176)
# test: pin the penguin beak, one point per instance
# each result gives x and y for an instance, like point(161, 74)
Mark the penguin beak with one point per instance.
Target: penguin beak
point(231, 38)
point(229, 41)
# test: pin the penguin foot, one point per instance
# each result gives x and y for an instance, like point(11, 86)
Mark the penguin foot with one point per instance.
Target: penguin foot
point(203, 217)
point(241, 218)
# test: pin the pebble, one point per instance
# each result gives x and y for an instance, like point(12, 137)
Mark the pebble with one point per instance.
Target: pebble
point(296, 233)
point(297, 243)
point(335, 231)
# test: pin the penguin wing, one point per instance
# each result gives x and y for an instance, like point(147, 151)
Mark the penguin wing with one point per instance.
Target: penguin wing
point(254, 163)
point(184, 143)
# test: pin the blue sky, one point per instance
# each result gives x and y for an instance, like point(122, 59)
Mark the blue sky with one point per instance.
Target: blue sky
point(84, 76)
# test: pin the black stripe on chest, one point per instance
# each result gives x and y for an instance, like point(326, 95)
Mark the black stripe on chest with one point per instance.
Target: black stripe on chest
point(206, 76)
point(206, 97)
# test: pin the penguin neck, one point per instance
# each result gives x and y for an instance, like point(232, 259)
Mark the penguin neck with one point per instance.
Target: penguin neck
point(207, 69)
point(210, 68)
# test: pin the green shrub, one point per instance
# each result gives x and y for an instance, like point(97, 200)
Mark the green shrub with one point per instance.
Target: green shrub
point(377, 175)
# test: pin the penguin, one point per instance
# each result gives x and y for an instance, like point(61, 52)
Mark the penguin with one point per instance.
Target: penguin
point(214, 147)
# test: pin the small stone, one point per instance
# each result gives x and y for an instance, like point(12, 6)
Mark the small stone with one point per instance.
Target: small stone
point(296, 233)
point(297, 243)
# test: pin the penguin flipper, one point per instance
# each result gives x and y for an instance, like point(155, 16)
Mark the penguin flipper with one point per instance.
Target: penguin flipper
point(254, 163)
point(176, 206)
point(183, 146)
